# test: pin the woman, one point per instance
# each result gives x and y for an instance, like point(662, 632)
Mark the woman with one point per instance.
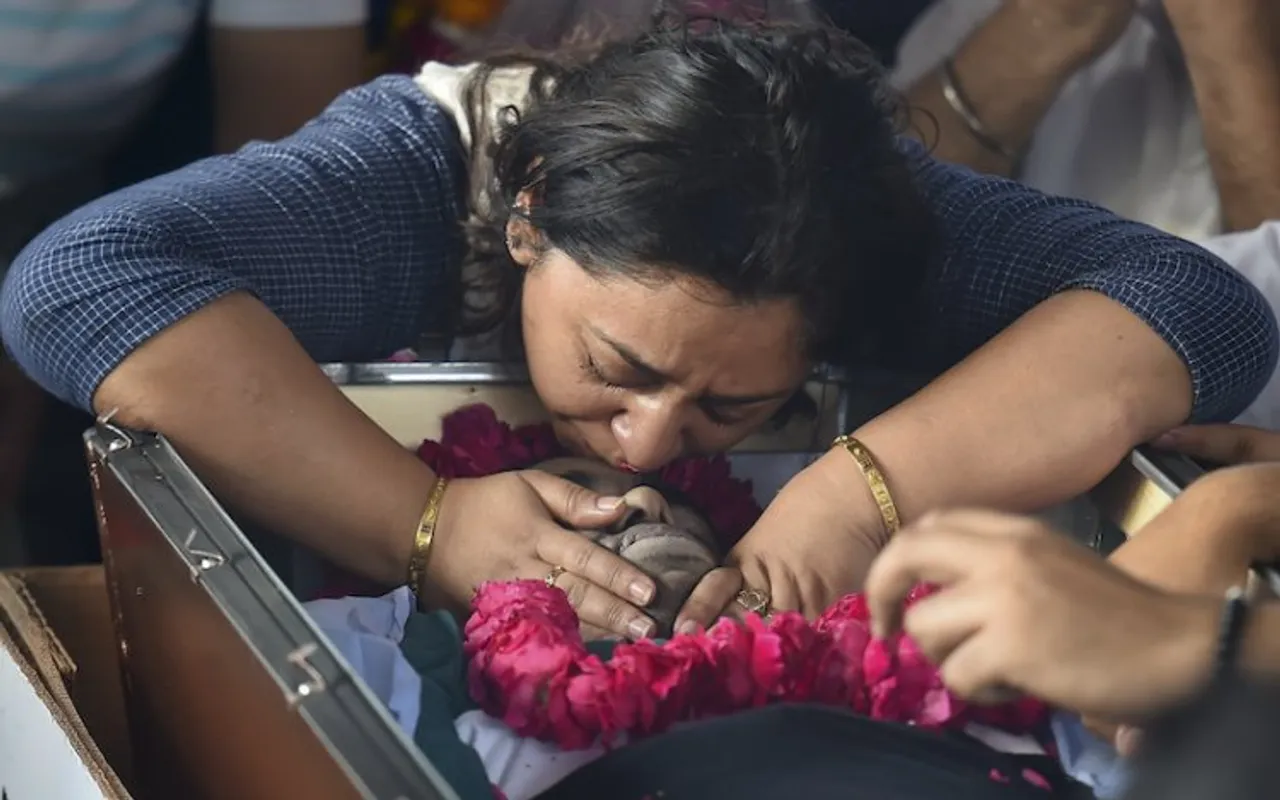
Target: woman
point(682, 225)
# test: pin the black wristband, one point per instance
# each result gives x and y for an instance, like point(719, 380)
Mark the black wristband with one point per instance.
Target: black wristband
point(1235, 613)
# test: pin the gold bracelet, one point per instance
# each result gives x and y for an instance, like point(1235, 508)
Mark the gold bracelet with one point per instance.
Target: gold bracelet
point(424, 535)
point(875, 481)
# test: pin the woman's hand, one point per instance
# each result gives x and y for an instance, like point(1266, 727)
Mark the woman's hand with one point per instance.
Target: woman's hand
point(1223, 444)
point(513, 526)
point(1023, 609)
point(804, 553)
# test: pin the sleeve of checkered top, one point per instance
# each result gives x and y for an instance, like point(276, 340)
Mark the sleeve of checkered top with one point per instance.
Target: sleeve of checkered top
point(1008, 247)
point(347, 230)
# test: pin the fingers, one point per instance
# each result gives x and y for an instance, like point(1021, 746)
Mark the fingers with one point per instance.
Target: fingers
point(597, 581)
point(1223, 444)
point(709, 598)
point(574, 505)
point(940, 556)
point(944, 549)
point(974, 671)
point(598, 608)
point(939, 624)
point(1127, 741)
point(586, 559)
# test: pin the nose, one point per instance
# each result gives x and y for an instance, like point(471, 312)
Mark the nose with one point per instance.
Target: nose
point(649, 433)
point(644, 505)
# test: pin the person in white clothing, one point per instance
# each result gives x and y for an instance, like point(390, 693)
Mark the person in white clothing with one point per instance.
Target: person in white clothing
point(1154, 110)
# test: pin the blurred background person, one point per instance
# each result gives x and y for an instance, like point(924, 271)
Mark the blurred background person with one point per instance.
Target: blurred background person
point(1163, 111)
point(94, 96)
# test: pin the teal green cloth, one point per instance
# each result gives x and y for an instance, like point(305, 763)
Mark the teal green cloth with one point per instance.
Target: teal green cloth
point(602, 648)
point(433, 646)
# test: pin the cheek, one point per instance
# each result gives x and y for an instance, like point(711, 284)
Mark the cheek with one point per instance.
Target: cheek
point(550, 355)
point(711, 438)
point(559, 383)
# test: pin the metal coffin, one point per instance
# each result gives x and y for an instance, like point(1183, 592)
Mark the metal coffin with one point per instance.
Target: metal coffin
point(233, 693)
point(230, 690)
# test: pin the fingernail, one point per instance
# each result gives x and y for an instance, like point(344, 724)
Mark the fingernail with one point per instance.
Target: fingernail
point(687, 627)
point(1167, 439)
point(879, 628)
point(640, 628)
point(642, 592)
point(1127, 740)
point(608, 503)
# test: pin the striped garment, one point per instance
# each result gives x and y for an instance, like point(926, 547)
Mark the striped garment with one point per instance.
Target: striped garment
point(74, 74)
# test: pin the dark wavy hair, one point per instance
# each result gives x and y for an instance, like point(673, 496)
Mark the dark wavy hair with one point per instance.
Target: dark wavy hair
point(763, 159)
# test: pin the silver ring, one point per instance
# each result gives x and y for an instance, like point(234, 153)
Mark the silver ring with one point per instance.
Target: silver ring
point(754, 601)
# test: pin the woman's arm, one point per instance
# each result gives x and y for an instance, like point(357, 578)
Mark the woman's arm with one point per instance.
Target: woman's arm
point(1106, 333)
point(1232, 51)
point(196, 304)
point(1009, 71)
point(278, 64)
point(1206, 540)
point(1078, 336)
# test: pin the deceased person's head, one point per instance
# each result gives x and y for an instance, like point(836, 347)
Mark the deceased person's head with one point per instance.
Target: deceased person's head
point(662, 532)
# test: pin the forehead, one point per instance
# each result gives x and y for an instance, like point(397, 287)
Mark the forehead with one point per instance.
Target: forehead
point(690, 330)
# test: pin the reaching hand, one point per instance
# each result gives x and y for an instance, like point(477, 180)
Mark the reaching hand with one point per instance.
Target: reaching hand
point(1223, 444)
point(512, 526)
point(1025, 610)
point(801, 555)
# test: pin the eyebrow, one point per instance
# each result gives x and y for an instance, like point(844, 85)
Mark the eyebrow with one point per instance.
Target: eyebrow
point(656, 375)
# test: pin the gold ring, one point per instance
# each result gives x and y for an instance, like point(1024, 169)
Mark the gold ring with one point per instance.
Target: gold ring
point(553, 575)
point(755, 601)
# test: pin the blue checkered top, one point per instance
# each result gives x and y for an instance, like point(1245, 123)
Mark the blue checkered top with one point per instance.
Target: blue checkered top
point(348, 229)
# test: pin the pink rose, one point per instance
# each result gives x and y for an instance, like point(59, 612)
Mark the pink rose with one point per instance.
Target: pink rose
point(728, 502)
point(529, 667)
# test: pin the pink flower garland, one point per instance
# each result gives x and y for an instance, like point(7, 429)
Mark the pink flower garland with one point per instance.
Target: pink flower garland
point(528, 666)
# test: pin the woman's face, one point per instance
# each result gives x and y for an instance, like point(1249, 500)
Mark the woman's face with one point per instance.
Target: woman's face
point(639, 373)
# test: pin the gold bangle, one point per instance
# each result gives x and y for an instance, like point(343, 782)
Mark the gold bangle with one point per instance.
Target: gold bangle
point(875, 481)
point(424, 535)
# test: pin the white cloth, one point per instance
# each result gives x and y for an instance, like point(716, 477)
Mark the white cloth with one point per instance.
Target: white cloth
point(1125, 133)
point(522, 768)
point(367, 631)
point(1088, 759)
